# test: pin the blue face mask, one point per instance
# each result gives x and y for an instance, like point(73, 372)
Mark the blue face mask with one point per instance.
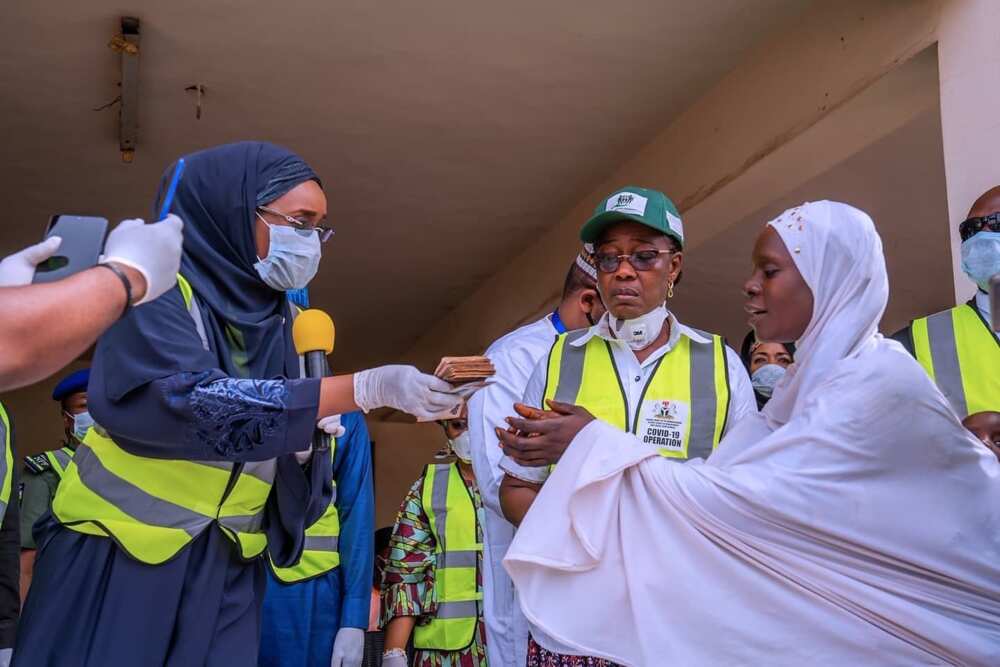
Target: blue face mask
point(765, 377)
point(81, 424)
point(292, 259)
point(981, 257)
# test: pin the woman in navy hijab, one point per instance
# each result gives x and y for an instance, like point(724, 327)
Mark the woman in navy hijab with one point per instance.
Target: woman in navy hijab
point(152, 553)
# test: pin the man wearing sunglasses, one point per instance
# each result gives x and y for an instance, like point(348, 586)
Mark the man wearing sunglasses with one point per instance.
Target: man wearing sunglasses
point(958, 347)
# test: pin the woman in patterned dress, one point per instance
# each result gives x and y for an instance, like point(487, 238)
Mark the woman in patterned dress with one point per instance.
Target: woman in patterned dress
point(408, 598)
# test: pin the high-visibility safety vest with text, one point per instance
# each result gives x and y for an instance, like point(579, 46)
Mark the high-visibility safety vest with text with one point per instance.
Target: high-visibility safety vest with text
point(962, 355)
point(452, 514)
point(320, 551)
point(153, 508)
point(683, 405)
point(6, 462)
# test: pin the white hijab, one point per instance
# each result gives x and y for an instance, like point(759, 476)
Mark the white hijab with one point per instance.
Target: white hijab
point(839, 254)
point(855, 522)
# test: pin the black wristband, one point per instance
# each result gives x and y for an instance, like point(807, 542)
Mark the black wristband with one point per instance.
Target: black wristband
point(126, 283)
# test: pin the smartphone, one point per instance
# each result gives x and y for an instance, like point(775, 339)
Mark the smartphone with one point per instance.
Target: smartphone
point(82, 244)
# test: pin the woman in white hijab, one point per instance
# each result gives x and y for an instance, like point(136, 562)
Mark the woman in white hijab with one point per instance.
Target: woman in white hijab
point(852, 522)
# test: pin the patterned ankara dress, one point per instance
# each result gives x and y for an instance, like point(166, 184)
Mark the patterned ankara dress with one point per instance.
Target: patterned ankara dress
point(408, 579)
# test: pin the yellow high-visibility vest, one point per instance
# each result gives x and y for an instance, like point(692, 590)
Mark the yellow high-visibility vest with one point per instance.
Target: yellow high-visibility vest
point(452, 513)
point(59, 460)
point(6, 462)
point(153, 508)
point(962, 355)
point(683, 405)
point(320, 552)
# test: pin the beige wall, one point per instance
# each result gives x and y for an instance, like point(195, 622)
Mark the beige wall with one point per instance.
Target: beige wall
point(401, 452)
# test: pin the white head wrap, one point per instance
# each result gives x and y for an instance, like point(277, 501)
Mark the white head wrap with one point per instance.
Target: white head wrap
point(839, 254)
point(855, 522)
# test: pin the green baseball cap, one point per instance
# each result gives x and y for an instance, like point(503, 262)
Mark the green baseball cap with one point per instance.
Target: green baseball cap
point(647, 207)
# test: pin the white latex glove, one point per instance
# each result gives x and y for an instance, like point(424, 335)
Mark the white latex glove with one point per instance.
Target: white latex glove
point(407, 389)
point(348, 648)
point(394, 660)
point(153, 250)
point(331, 426)
point(19, 268)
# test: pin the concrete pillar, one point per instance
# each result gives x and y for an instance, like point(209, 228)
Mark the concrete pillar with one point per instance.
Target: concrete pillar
point(969, 71)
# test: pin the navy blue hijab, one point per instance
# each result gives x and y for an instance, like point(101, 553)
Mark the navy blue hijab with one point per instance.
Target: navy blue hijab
point(245, 319)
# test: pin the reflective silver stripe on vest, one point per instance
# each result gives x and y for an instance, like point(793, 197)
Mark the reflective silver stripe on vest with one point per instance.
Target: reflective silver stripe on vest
point(466, 609)
point(244, 523)
point(457, 559)
point(199, 324)
point(944, 356)
point(132, 500)
point(62, 458)
point(321, 543)
point(262, 470)
point(439, 503)
point(703, 398)
point(571, 368)
point(3, 464)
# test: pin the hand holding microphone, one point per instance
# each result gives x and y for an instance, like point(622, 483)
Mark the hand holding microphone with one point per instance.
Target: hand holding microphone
point(313, 333)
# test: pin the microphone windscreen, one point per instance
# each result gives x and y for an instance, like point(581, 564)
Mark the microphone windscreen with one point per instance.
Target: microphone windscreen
point(313, 330)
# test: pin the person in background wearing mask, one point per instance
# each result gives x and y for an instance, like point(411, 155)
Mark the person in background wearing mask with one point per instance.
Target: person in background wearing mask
point(203, 464)
point(308, 604)
point(139, 264)
point(432, 584)
point(958, 347)
point(677, 389)
point(986, 427)
point(42, 472)
point(515, 356)
point(766, 363)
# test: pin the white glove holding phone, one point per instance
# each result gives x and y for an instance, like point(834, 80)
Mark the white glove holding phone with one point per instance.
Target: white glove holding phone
point(19, 269)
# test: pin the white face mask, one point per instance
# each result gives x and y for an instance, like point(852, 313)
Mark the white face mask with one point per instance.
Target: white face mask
point(981, 258)
point(639, 332)
point(292, 258)
point(765, 377)
point(462, 446)
point(81, 424)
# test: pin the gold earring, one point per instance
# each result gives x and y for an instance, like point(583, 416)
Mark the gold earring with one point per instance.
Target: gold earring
point(670, 289)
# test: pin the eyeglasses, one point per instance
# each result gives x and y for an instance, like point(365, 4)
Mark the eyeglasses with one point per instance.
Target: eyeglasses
point(973, 226)
point(641, 260)
point(324, 232)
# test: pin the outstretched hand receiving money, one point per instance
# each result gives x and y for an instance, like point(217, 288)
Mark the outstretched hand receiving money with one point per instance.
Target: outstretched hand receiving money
point(539, 437)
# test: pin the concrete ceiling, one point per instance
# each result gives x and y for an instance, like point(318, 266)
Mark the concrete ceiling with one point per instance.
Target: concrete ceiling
point(447, 134)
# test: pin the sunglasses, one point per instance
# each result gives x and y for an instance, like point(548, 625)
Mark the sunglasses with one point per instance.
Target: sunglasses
point(973, 226)
point(641, 260)
point(305, 225)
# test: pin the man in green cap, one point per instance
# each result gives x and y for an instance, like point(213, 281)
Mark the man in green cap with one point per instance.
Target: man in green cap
point(676, 388)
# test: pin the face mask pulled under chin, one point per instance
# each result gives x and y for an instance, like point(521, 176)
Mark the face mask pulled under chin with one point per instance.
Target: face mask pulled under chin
point(462, 447)
point(292, 259)
point(640, 331)
point(765, 377)
point(981, 258)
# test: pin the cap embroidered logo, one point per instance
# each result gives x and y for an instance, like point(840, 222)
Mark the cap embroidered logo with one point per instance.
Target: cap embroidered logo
point(627, 202)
